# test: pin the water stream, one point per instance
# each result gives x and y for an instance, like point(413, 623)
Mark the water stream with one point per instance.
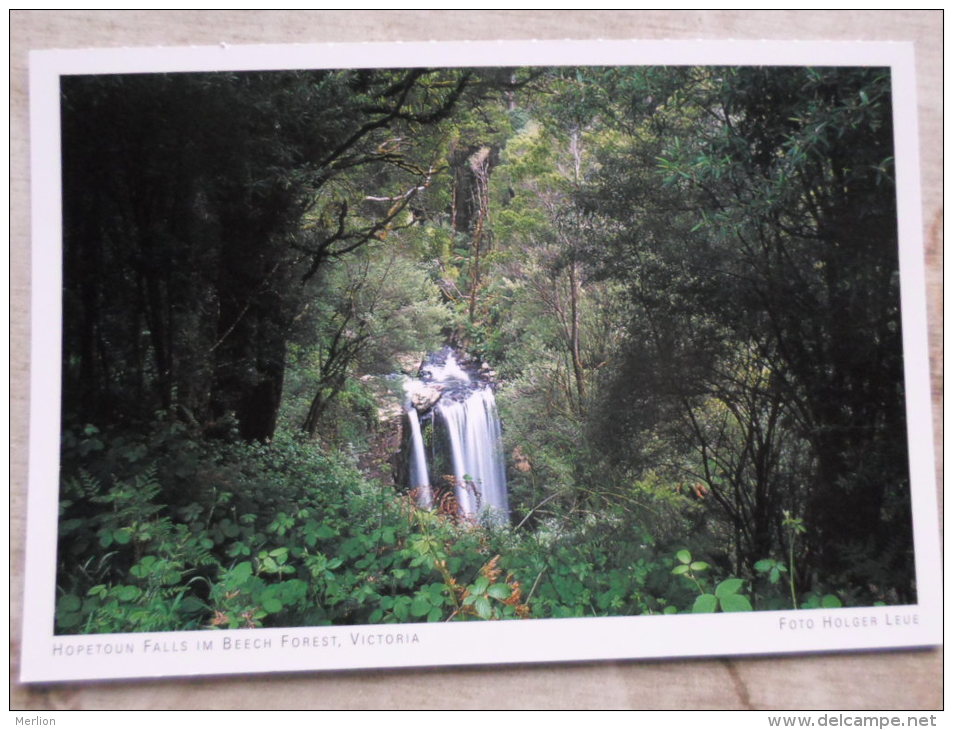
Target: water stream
point(461, 408)
point(419, 479)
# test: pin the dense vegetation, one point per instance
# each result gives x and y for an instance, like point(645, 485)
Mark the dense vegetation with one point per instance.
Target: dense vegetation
point(685, 279)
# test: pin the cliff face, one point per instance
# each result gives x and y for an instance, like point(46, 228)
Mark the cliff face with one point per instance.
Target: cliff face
point(383, 459)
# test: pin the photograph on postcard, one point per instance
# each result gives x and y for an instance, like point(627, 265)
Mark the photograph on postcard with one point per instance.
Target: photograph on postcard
point(396, 346)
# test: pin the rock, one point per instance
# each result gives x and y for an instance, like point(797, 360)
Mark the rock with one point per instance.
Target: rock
point(409, 363)
point(389, 412)
point(423, 396)
point(382, 390)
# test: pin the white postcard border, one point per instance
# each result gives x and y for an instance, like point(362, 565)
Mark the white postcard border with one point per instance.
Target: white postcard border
point(47, 657)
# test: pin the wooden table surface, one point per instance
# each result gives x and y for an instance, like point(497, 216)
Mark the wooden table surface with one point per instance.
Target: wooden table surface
point(897, 680)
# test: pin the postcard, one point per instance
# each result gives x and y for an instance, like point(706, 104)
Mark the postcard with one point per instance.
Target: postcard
point(419, 354)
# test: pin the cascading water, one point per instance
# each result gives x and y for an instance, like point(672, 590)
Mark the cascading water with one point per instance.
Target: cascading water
point(419, 478)
point(474, 431)
point(464, 409)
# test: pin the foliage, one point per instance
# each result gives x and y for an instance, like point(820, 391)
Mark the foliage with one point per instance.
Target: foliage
point(192, 244)
point(758, 223)
point(725, 595)
point(684, 281)
point(377, 308)
point(302, 540)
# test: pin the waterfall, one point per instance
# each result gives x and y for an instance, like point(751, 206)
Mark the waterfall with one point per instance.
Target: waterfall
point(419, 478)
point(464, 412)
point(474, 431)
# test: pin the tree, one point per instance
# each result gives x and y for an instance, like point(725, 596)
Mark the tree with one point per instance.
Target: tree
point(756, 213)
point(379, 307)
point(184, 197)
point(556, 325)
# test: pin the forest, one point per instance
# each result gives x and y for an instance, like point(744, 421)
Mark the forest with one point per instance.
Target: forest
point(676, 287)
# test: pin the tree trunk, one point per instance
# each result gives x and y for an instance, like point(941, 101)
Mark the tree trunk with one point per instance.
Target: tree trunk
point(574, 294)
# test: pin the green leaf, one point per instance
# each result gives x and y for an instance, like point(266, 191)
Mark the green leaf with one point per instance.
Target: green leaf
point(68, 603)
point(831, 601)
point(436, 592)
point(699, 565)
point(684, 556)
point(705, 603)
point(480, 585)
point(68, 620)
point(735, 602)
point(240, 573)
point(680, 569)
point(69, 525)
point(728, 587)
point(269, 564)
point(421, 606)
point(128, 593)
point(191, 604)
point(500, 591)
point(483, 608)
point(272, 605)
point(402, 607)
point(143, 567)
point(763, 566)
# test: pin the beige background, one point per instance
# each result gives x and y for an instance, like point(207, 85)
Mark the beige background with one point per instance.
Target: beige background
point(887, 680)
